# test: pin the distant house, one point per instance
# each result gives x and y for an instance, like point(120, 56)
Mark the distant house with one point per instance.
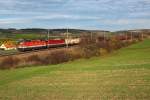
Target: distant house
point(8, 46)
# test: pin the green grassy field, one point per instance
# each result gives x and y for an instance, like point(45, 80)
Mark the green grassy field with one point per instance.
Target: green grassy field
point(122, 75)
point(30, 36)
point(15, 36)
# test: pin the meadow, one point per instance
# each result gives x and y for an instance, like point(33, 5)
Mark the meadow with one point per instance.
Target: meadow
point(121, 75)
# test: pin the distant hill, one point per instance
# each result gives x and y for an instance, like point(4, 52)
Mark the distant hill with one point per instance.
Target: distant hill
point(146, 31)
point(42, 33)
point(37, 33)
point(52, 31)
point(59, 31)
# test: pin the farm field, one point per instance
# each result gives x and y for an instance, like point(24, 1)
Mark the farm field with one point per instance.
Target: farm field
point(122, 75)
point(15, 36)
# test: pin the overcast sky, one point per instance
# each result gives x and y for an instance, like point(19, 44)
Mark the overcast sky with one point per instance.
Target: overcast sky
point(82, 14)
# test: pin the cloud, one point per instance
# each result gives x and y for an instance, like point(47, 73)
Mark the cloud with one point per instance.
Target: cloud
point(85, 13)
point(126, 21)
point(25, 20)
point(67, 16)
point(14, 21)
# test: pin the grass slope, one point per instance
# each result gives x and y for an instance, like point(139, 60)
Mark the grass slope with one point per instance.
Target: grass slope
point(125, 74)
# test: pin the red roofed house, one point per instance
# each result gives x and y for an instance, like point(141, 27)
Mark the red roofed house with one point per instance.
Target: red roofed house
point(8, 46)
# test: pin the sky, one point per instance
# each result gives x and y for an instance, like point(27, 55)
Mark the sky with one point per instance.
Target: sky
point(78, 14)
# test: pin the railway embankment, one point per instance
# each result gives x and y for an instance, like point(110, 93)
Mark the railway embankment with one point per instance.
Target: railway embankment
point(86, 49)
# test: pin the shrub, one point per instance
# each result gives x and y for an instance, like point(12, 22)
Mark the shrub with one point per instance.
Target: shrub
point(59, 57)
point(103, 51)
point(90, 50)
point(9, 62)
point(54, 57)
point(89, 47)
point(75, 53)
point(33, 60)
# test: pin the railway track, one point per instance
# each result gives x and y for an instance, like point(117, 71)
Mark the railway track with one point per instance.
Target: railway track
point(34, 51)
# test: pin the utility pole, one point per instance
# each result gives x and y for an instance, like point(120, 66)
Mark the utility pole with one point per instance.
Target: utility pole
point(126, 36)
point(48, 37)
point(104, 36)
point(131, 36)
point(142, 36)
point(67, 39)
point(91, 35)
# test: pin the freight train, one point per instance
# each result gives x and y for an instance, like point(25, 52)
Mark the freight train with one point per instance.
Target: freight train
point(29, 45)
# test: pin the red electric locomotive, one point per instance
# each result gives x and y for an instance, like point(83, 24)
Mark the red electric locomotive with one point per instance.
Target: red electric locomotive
point(39, 44)
point(31, 45)
point(55, 43)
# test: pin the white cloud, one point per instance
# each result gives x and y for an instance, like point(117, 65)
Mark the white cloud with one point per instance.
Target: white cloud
point(140, 14)
point(14, 21)
point(23, 20)
point(85, 12)
point(126, 21)
point(66, 16)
